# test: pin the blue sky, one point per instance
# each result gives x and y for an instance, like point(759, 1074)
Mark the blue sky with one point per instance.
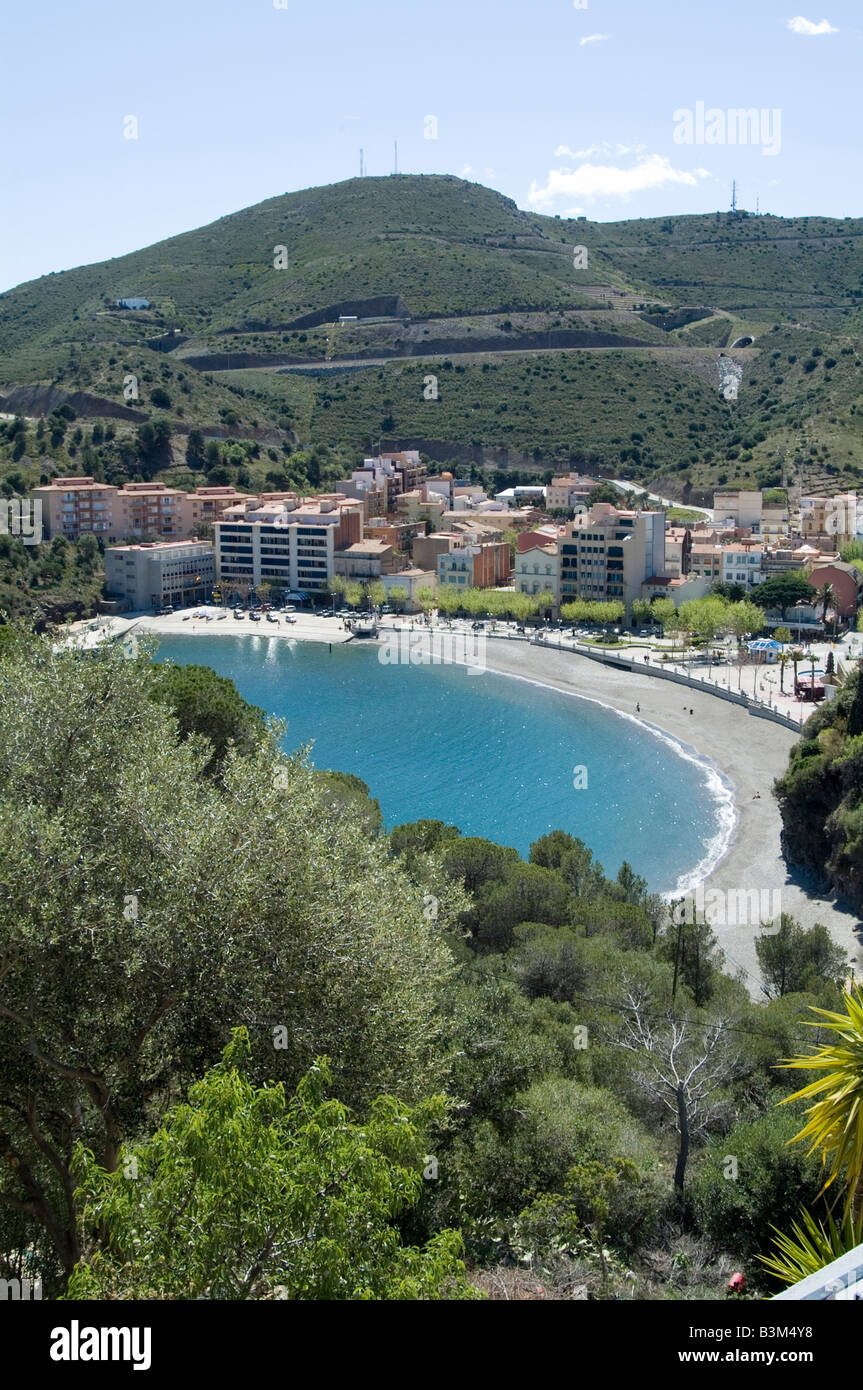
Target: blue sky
point(560, 107)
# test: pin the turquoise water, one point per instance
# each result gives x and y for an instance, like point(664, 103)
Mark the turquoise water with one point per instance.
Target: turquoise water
point(493, 755)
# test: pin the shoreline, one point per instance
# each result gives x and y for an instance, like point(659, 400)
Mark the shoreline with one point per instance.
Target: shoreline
point(746, 752)
point(743, 753)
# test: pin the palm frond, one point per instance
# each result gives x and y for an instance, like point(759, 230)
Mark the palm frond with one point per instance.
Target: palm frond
point(811, 1246)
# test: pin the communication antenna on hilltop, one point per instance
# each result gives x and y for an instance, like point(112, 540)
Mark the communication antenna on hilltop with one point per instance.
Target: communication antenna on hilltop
point(733, 195)
point(361, 163)
point(396, 163)
point(757, 207)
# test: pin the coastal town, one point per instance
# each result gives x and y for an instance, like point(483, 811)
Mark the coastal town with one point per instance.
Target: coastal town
point(560, 560)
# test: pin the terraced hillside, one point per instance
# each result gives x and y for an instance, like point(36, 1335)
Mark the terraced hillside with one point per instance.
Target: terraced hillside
point(430, 310)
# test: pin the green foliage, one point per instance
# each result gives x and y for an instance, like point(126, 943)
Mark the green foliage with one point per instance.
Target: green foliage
point(751, 1180)
point(209, 706)
point(784, 591)
point(818, 796)
point(795, 960)
point(348, 796)
point(145, 907)
point(242, 1193)
point(812, 1245)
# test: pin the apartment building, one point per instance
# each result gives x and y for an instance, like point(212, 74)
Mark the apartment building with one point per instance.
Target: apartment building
point(364, 560)
point(678, 550)
point(381, 481)
point(742, 564)
point(607, 554)
point(149, 509)
point(738, 507)
point(705, 561)
point(836, 519)
point(570, 490)
point(73, 506)
point(419, 505)
point(426, 549)
point(288, 541)
point(160, 573)
point(483, 566)
point(537, 564)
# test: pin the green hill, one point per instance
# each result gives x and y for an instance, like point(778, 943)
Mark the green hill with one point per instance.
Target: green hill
point(314, 319)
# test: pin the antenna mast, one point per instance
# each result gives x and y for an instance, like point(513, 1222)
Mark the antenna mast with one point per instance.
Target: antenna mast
point(396, 167)
point(733, 195)
point(361, 163)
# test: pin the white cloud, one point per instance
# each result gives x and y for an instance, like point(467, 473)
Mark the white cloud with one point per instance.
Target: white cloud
point(810, 28)
point(592, 181)
point(614, 151)
point(593, 38)
point(467, 171)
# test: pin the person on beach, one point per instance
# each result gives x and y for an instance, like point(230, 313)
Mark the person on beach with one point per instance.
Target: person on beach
point(637, 707)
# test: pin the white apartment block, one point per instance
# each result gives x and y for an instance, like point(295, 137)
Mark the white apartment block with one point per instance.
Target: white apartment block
point(285, 541)
point(738, 507)
point(538, 569)
point(742, 564)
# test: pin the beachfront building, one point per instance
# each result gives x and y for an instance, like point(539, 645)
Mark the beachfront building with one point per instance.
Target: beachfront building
point(483, 566)
point(156, 574)
point(364, 560)
point(537, 563)
point(679, 588)
point(286, 541)
point(411, 582)
point(606, 554)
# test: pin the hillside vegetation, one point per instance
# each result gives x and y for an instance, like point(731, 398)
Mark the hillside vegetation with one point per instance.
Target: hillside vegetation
point(616, 363)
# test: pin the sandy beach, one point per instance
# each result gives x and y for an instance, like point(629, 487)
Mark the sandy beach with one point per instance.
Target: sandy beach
point(748, 752)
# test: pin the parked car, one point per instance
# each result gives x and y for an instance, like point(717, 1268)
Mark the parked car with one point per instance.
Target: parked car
point(271, 618)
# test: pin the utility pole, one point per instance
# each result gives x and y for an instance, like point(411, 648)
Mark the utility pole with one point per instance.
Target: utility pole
point(396, 161)
point(361, 163)
point(733, 197)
